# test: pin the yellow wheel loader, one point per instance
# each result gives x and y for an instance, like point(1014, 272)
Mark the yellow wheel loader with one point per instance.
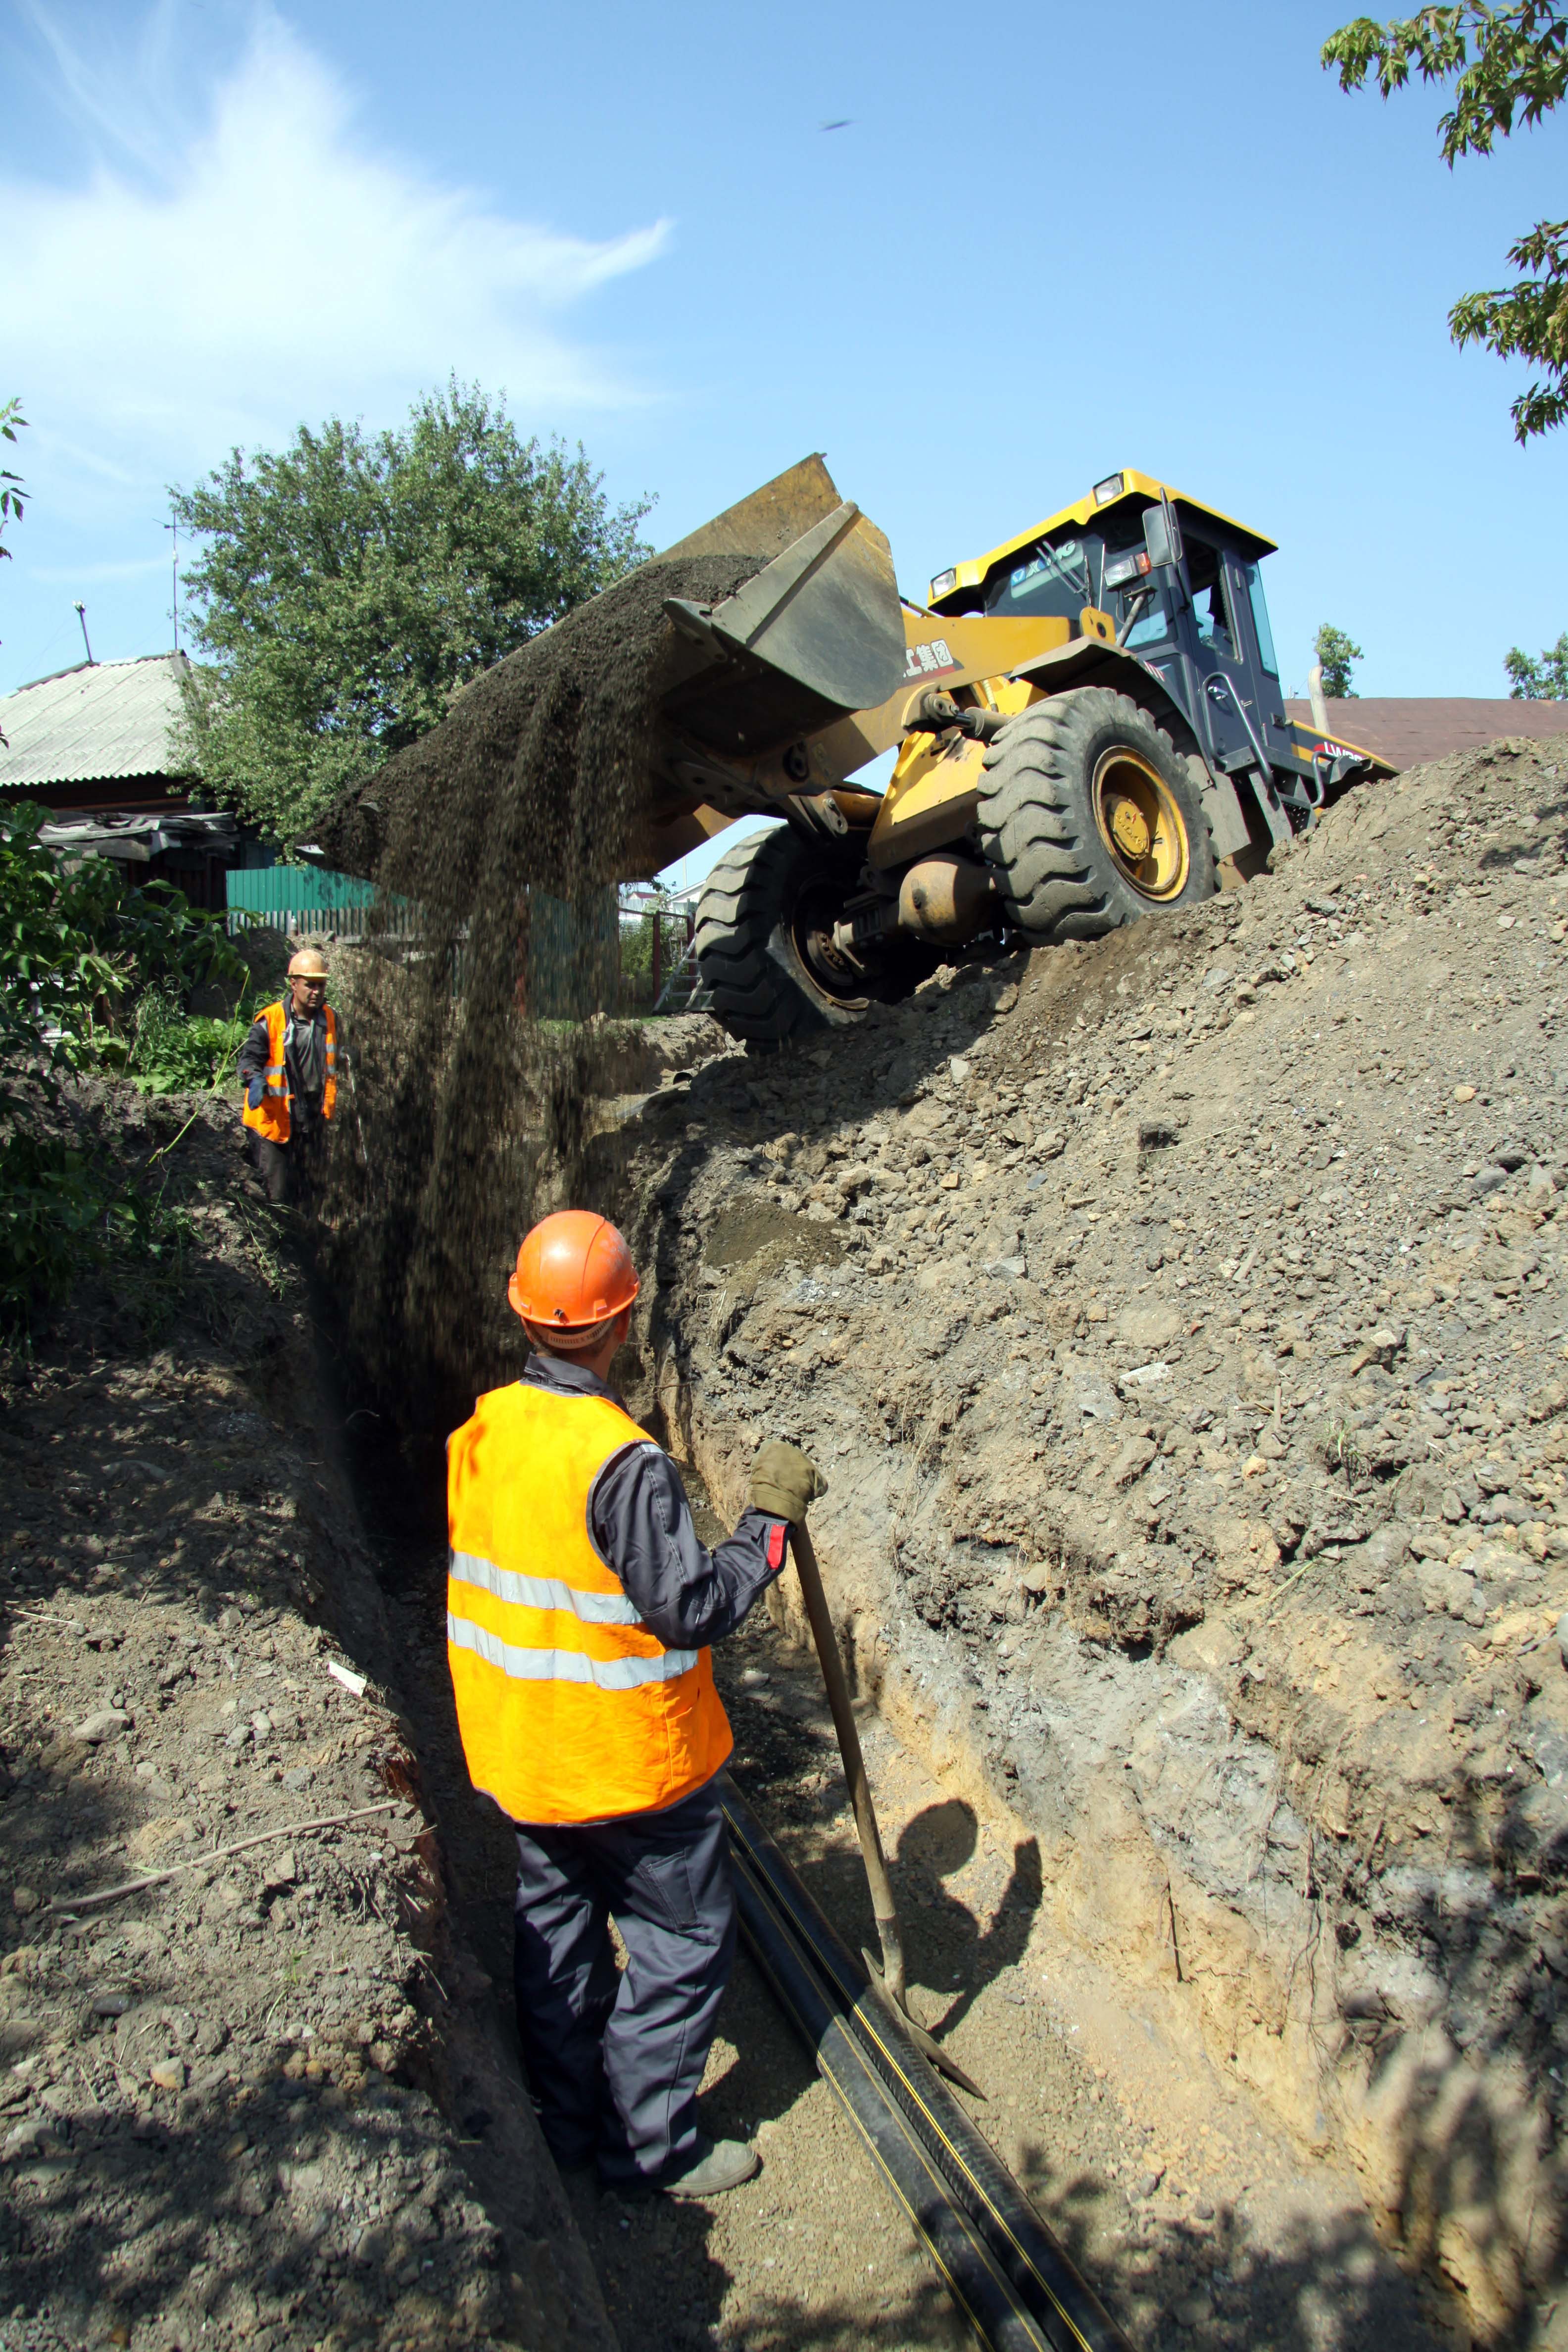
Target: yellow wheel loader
point(1088, 726)
point(1091, 729)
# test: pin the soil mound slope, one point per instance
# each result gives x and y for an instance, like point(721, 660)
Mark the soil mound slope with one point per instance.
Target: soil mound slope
point(1180, 1321)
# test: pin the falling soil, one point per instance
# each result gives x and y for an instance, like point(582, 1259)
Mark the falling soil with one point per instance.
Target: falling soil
point(468, 1117)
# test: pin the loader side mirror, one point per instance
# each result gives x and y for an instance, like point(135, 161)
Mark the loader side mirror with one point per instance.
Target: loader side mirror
point(1162, 533)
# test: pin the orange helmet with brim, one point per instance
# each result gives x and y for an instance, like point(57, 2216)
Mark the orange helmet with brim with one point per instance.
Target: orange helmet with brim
point(574, 1271)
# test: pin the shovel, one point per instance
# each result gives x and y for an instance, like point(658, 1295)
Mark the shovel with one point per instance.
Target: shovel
point(887, 1981)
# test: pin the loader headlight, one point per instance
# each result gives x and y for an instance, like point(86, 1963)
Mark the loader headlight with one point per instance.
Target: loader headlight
point(1112, 488)
point(940, 585)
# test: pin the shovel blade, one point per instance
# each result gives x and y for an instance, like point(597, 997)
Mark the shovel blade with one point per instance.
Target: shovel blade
point(929, 2050)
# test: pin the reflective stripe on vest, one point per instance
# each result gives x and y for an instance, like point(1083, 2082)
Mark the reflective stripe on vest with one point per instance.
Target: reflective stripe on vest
point(543, 1592)
point(271, 1117)
point(531, 1665)
point(569, 1708)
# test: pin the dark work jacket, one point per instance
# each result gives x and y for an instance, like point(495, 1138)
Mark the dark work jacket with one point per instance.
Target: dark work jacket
point(641, 1522)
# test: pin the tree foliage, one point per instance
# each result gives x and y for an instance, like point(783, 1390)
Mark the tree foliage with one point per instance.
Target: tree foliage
point(1508, 65)
point(80, 951)
point(1545, 680)
point(13, 497)
point(350, 583)
point(78, 946)
point(1335, 653)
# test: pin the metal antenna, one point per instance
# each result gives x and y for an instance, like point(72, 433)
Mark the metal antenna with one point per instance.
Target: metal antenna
point(173, 531)
point(87, 641)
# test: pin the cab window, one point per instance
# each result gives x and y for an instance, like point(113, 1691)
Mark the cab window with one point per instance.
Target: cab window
point(1211, 611)
point(1050, 583)
point(1153, 626)
point(1266, 652)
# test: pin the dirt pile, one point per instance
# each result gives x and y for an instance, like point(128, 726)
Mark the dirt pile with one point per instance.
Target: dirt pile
point(256, 2101)
point(1180, 1320)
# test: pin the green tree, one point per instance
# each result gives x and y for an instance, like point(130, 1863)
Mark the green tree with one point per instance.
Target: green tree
point(1545, 680)
point(1507, 65)
point(1335, 653)
point(13, 497)
point(350, 584)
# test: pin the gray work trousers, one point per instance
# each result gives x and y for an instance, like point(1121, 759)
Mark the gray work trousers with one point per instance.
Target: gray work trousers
point(616, 2056)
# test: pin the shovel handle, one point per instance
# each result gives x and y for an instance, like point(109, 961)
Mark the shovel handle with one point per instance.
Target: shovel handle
point(889, 1933)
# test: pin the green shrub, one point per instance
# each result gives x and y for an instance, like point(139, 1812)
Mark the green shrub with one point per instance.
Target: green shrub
point(82, 953)
point(79, 945)
point(50, 1204)
point(175, 1053)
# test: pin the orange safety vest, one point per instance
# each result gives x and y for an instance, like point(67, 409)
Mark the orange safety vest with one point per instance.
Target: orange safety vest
point(570, 1709)
point(270, 1118)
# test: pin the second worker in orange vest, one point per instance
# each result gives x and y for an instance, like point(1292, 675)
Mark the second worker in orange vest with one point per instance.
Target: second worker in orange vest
point(580, 1609)
point(289, 1068)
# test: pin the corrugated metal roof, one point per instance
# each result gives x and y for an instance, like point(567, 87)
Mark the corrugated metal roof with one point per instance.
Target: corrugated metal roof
point(100, 720)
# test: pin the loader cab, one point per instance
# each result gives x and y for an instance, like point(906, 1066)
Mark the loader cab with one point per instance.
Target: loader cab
point(1199, 622)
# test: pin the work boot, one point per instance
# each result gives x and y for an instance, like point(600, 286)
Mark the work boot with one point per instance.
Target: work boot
point(717, 2165)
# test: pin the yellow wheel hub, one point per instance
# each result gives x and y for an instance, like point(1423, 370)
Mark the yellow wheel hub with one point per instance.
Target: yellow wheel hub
point(1142, 825)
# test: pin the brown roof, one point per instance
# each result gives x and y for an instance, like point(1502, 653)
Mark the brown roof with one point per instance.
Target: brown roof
point(1404, 729)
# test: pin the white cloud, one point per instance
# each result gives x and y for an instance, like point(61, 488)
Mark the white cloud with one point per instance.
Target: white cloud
point(218, 280)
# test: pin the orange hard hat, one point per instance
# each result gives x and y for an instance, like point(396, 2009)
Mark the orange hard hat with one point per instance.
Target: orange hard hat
point(574, 1270)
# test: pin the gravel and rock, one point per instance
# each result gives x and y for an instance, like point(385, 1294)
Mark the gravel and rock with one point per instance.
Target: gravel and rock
point(255, 2099)
point(1181, 1322)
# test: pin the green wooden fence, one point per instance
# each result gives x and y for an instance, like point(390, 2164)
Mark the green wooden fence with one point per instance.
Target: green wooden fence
point(307, 899)
point(570, 953)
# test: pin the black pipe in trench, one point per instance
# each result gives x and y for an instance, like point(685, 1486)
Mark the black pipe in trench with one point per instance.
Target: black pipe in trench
point(1011, 2279)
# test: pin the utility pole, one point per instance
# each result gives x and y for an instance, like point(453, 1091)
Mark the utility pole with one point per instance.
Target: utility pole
point(172, 527)
point(87, 641)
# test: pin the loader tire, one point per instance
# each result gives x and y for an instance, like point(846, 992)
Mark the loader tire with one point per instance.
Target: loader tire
point(1091, 819)
point(764, 902)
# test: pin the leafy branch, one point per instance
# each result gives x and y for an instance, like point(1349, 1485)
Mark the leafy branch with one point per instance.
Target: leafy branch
point(1508, 66)
point(13, 497)
point(1545, 680)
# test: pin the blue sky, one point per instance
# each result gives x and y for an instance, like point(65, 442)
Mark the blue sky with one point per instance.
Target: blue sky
point(1050, 242)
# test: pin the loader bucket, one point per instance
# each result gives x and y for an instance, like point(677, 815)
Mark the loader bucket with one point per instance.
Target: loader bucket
point(645, 718)
point(816, 634)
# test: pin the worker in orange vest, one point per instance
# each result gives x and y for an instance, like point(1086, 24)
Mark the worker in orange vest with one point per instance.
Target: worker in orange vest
point(580, 1608)
point(289, 1068)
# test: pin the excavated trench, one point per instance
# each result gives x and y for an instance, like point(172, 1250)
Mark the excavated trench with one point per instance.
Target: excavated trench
point(1187, 2207)
point(1179, 1320)
point(1179, 1323)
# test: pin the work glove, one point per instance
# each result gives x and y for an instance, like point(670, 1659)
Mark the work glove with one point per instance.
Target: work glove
point(783, 1481)
point(254, 1093)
